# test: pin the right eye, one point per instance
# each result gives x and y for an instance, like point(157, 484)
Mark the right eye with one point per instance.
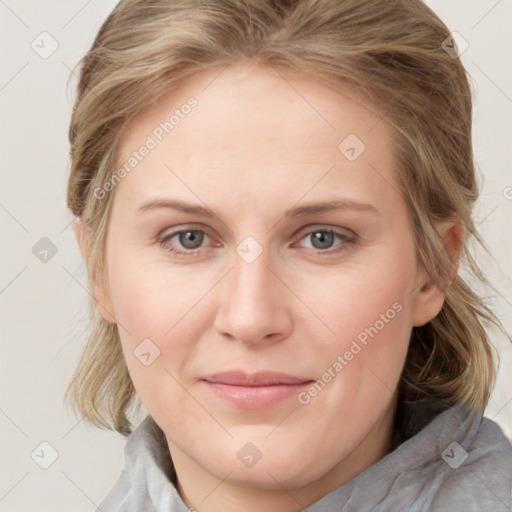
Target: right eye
point(184, 242)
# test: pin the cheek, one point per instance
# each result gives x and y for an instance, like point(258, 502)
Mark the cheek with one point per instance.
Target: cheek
point(157, 311)
point(150, 299)
point(369, 313)
point(359, 300)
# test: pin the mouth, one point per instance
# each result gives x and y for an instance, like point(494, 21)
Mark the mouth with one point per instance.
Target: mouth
point(254, 391)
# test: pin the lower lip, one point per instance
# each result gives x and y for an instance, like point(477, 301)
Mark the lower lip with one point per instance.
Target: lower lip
point(255, 397)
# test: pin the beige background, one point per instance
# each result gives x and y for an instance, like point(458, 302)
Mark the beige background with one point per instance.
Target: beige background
point(43, 304)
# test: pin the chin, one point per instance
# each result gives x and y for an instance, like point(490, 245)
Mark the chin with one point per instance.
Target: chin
point(276, 468)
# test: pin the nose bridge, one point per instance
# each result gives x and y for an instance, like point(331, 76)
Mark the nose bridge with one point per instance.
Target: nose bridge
point(251, 280)
point(252, 307)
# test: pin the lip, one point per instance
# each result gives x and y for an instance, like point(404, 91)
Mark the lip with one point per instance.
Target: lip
point(256, 390)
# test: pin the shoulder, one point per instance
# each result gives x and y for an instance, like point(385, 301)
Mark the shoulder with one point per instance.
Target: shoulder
point(476, 467)
point(146, 482)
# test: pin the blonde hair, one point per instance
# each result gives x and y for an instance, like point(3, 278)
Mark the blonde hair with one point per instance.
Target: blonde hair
point(386, 51)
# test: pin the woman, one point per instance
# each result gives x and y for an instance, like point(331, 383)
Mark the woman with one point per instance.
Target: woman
point(273, 200)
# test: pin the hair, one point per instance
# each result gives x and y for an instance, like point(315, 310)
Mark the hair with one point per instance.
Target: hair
point(389, 54)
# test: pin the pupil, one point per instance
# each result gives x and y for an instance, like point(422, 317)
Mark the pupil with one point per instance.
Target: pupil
point(322, 239)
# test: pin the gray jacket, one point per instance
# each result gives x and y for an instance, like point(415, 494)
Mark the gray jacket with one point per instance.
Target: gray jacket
point(456, 461)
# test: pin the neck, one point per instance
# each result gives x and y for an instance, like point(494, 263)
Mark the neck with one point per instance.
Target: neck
point(204, 492)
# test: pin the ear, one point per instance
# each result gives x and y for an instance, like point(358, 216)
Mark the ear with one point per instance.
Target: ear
point(101, 296)
point(430, 298)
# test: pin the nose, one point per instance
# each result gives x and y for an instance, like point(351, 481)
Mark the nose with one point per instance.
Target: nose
point(254, 304)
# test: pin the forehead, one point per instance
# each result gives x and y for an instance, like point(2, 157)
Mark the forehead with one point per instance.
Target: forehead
point(258, 131)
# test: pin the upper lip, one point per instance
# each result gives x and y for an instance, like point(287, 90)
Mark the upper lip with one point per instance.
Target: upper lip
point(240, 378)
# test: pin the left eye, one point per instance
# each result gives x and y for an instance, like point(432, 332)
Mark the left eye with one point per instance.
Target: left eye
point(324, 238)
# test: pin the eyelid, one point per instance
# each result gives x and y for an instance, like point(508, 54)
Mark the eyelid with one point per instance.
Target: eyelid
point(305, 230)
point(345, 241)
point(171, 232)
point(346, 235)
point(337, 230)
point(166, 235)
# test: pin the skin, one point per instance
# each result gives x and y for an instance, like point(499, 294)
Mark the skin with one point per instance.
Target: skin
point(252, 149)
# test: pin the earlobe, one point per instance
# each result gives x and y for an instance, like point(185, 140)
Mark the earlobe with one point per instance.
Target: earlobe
point(430, 298)
point(83, 235)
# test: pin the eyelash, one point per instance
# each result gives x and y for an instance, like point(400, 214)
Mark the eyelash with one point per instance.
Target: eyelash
point(345, 239)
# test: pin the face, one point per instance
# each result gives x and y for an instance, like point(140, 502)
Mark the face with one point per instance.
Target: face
point(262, 271)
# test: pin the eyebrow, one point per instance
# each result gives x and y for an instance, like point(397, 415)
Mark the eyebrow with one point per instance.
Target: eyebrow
point(298, 211)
